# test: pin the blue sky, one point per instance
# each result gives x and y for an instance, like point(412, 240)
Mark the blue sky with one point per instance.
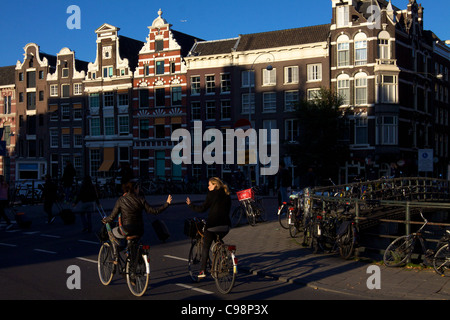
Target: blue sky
point(45, 21)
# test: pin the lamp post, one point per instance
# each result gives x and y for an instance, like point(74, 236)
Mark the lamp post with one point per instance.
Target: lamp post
point(250, 105)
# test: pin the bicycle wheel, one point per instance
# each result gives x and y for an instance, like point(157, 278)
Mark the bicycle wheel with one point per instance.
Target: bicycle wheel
point(398, 252)
point(236, 216)
point(105, 263)
point(223, 270)
point(195, 259)
point(283, 216)
point(346, 243)
point(441, 261)
point(261, 212)
point(138, 278)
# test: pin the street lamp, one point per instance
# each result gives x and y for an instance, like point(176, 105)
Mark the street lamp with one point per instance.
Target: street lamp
point(250, 106)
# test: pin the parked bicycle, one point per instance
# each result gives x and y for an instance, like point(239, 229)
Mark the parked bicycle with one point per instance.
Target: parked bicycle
point(250, 206)
point(222, 260)
point(347, 234)
point(401, 249)
point(441, 260)
point(295, 215)
point(137, 273)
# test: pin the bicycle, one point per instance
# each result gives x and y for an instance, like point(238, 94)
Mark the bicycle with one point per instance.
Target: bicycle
point(137, 274)
point(250, 205)
point(400, 250)
point(223, 265)
point(295, 216)
point(347, 235)
point(441, 259)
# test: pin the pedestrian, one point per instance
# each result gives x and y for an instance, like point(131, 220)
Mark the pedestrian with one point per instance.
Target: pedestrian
point(218, 201)
point(4, 198)
point(87, 198)
point(49, 194)
point(67, 180)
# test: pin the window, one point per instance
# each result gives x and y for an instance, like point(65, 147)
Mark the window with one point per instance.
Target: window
point(291, 99)
point(65, 140)
point(65, 90)
point(387, 127)
point(65, 112)
point(160, 67)
point(247, 100)
point(269, 77)
point(94, 100)
point(53, 90)
point(77, 89)
point(31, 100)
point(315, 72)
point(210, 84)
point(176, 96)
point(160, 132)
point(248, 79)
point(123, 125)
point(159, 45)
point(291, 74)
point(225, 110)
point(109, 126)
point(143, 98)
point(210, 110)
point(54, 135)
point(31, 79)
point(108, 99)
point(195, 85)
point(269, 102)
point(384, 52)
point(361, 132)
point(123, 99)
point(7, 104)
point(146, 70)
point(95, 127)
point(360, 88)
point(313, 94)
point(144, 128)
point(342, 16)
point(94, 157)
point(107, 72)
point(195, 111)
point(388, 89)
point(343, 87)
point(225, 83)
point(343, 51)
point(360, 49)
point(173, 67)
point(78, 114)
point(292, 130)
point(160, 97)
point(65, 72)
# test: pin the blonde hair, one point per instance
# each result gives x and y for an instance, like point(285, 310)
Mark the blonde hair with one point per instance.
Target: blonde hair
point(219, 184)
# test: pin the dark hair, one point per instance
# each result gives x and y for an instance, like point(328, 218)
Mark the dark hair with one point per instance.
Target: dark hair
point(130, 187)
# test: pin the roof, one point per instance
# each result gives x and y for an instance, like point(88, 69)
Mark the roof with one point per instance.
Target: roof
point(7, 75)
point(185, 41)
point(263, 40)
point(129, 49)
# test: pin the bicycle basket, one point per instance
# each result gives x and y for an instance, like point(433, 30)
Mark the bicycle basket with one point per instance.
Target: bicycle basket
point(246, 194)
point(191, 226)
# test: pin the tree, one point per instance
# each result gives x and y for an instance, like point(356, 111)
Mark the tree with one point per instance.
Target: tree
point(321, 142)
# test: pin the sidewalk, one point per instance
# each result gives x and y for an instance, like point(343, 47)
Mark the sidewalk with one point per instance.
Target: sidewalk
point(267, 250)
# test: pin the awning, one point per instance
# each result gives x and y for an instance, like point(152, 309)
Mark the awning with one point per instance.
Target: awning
point(108, 159)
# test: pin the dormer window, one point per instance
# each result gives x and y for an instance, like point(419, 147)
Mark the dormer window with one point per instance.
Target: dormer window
point(159, 45)
point(342, 16)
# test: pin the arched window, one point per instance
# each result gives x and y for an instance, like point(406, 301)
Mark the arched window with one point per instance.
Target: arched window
point(384, 49)
point(343, 88)
point(360, 49)
point(343, 51)
point(360, 88)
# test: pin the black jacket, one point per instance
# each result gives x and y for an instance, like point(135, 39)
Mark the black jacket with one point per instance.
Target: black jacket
point(130, 207)
point(219, 205)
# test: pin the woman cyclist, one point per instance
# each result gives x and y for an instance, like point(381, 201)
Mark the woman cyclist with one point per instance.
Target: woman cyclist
point(218, 202)
point(131, 221)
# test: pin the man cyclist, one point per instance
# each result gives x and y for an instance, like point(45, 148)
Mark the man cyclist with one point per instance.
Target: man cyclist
point(129, 209)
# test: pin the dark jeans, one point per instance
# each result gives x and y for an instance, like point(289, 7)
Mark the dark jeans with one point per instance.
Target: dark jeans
point(207, 241)
point(3, 204)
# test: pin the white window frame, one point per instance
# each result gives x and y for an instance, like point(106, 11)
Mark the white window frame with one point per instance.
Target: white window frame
point(314, 72)
point(291, 75)
point(269, 102)
point(269, 77)
point(291, 98)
